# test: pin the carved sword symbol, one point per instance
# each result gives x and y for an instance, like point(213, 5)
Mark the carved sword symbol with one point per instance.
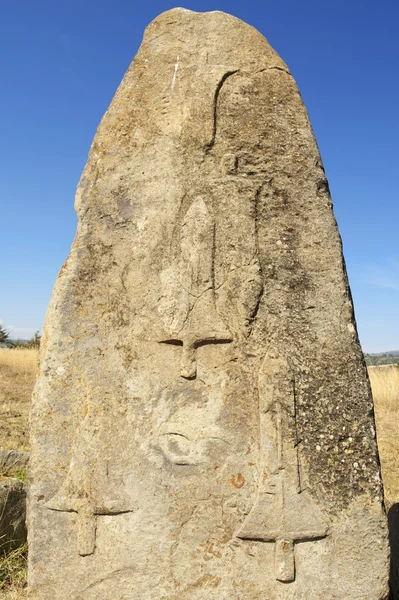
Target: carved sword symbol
point(87, 511)
point(87, 522)
point(202, 324)
point(283, 513)
point(86, 490)
point(192, 339)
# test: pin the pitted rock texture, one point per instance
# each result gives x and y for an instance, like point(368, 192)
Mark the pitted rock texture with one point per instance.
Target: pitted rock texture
point(202, 427)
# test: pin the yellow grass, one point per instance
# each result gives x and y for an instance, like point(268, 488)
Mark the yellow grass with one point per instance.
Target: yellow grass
point(21, 360)
point(13, 574)
point(385, 386)
point(18, 369)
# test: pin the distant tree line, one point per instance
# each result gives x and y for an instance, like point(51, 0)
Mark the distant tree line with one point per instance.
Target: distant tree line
point(381, 359)
point(5, 340)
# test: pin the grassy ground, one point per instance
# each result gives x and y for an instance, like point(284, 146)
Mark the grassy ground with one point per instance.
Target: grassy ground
point(13, 574)
point(18, 369)
point(385, 386)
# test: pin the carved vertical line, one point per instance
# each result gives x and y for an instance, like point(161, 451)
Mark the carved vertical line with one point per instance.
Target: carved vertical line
point(296, 440)
point(219, 86)
point(256, 220)
point(213, 256)
point(257, 250)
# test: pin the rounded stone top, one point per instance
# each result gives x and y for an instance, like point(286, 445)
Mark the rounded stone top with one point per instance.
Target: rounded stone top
point(228, 37)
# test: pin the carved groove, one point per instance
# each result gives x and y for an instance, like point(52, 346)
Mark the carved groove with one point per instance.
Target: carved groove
point(219, 86)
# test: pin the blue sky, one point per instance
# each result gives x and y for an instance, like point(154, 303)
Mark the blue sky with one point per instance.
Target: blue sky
point(61, 64)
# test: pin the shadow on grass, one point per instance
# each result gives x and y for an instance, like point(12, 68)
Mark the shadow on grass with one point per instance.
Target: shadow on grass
point(13, 573)
point(393, 528)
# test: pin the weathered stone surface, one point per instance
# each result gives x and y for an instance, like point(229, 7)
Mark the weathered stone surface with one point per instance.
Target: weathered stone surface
point(12, 514)
point(202, 427)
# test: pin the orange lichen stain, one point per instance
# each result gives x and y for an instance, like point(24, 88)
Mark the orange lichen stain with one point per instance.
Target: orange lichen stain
point(43, 342)
point(251, 464)
point(265, 475)
point(210, 549)
point(226, 537)
point(217, 467)
point(248, 449)
point(189, 507)
point(85, 410)
point(238, 481)
point(64, 266)
point(206, 581)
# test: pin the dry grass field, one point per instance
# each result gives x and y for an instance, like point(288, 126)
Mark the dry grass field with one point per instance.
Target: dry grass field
point(13, 574)
point(18, 368)
point(385, 386)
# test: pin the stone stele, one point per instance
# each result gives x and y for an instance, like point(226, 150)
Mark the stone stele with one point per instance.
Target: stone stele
point(202, 427)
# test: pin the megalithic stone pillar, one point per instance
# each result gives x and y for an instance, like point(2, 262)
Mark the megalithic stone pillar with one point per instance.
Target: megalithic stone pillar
point(202, 425)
